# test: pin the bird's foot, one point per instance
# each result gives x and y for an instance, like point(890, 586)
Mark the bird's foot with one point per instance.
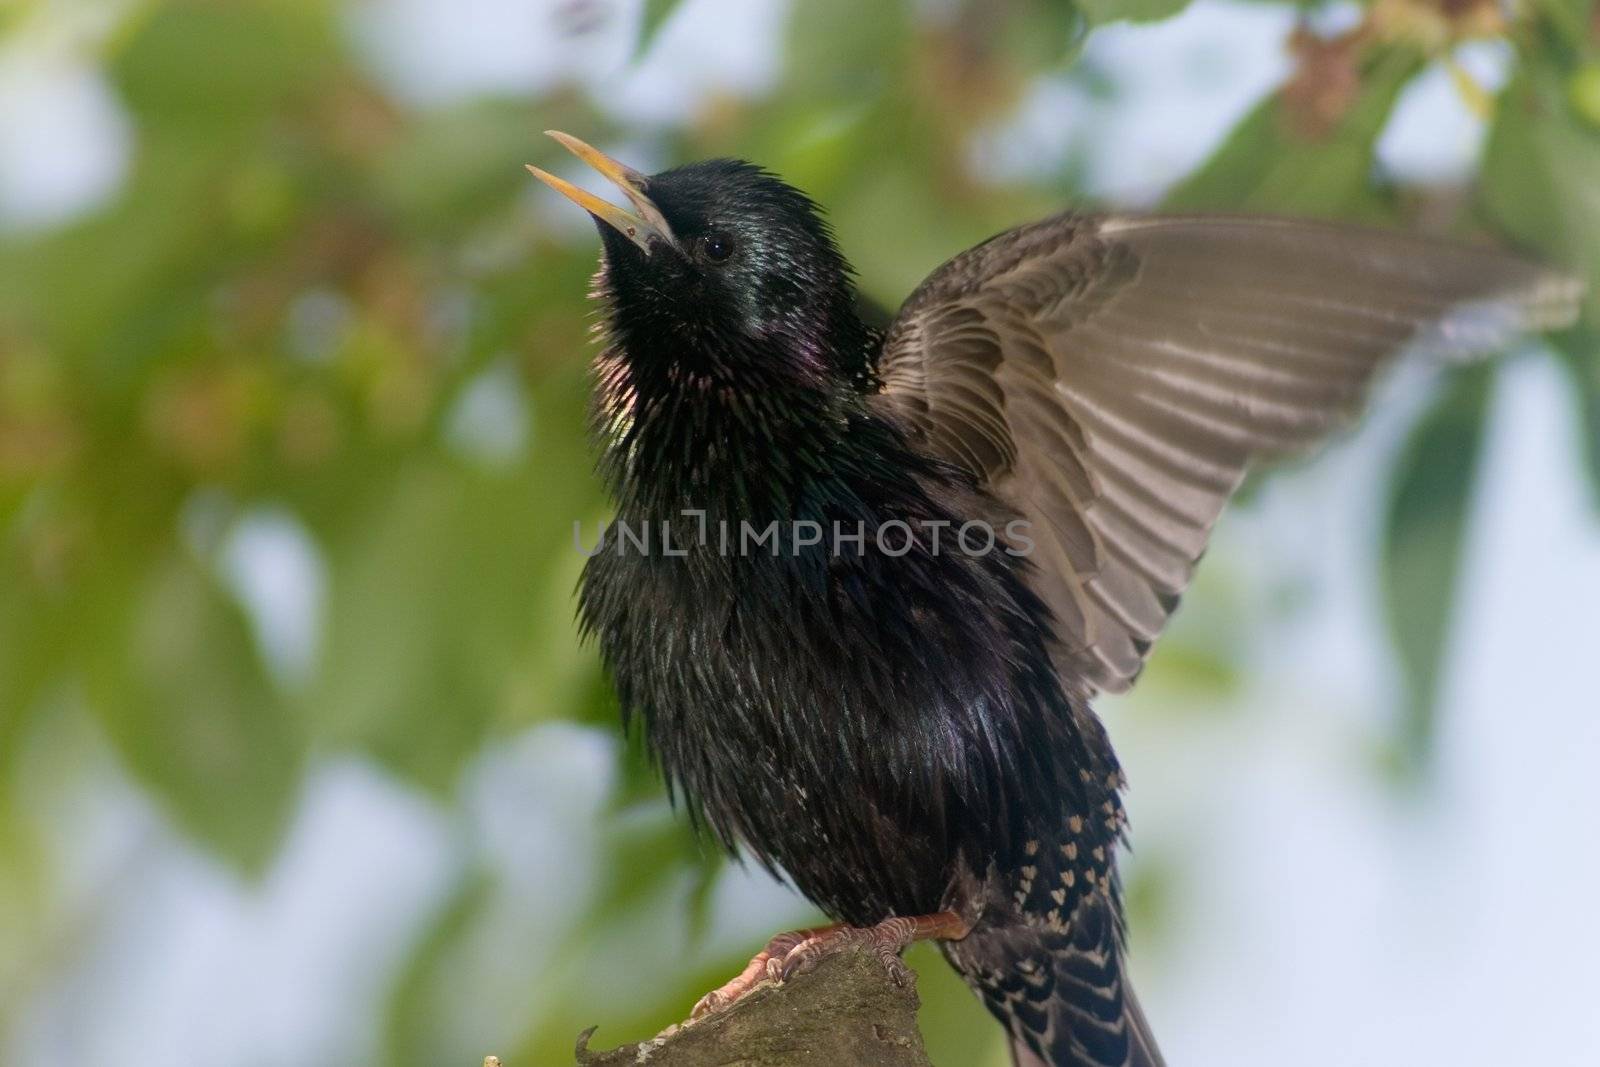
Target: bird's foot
point(758, 970)
point(885, 941)
point(798, 951)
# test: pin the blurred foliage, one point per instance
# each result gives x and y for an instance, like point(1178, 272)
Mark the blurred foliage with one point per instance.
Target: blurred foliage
point(1426, 526)
point(298, 299)
point(1310, 148)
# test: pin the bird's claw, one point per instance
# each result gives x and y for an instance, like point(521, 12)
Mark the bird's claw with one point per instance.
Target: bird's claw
point(885, 941)
point(760, 969)
point(755, 972)
point(713, 1001)
point(790, 955)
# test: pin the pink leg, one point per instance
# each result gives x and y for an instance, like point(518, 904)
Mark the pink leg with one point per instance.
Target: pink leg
point(758, 970)
point(799, 951)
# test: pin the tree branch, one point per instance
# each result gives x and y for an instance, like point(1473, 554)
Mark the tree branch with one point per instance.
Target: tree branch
point(845, 1013)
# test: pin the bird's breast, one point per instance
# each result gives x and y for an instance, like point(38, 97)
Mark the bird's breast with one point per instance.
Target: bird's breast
point(866, 723)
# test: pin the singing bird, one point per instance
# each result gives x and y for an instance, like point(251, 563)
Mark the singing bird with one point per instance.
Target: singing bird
point(897, 721)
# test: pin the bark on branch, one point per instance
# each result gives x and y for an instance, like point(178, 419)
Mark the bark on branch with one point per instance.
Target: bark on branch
point(845, 1013)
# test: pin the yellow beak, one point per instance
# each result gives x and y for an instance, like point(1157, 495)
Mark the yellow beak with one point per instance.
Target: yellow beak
point(638, 228)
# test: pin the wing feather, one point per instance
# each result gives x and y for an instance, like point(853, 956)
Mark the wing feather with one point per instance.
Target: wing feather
point(1113, 378)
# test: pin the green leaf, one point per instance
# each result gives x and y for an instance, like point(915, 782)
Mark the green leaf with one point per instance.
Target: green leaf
point(213, 68)
point(115, 289)
point(1584, 91)
point(1040, 34)
point(29, 655)
point(414, 664)
point(411, 1016)
point(202, 82)
point(1540, 172)
point(708, 865)
point(656, 14)
point(456, 164)
point(1580, 354)
point(442, 582)
point(1099, 11)
point(1268, 165)
point(649, 845)
point(182, 694)
point(1573, 22)
point(1538, 184)
point(845, 51)
point(1430, 497)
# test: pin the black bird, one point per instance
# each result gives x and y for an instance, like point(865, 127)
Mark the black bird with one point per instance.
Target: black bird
point(894, 713)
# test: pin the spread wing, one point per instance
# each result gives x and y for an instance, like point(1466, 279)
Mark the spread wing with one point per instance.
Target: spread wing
point(1112, 378)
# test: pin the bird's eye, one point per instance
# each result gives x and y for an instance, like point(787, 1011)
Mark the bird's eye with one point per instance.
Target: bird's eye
point(716, 247)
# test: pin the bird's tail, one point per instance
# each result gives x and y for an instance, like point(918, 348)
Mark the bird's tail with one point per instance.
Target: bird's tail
point(1145, 1052)
point(1063, 994)
point(1142, 1050)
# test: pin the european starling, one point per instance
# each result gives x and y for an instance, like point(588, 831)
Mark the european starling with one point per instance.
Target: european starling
point(865, 581)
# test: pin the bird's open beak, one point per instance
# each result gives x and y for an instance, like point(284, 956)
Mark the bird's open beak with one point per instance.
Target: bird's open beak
point(638, 228)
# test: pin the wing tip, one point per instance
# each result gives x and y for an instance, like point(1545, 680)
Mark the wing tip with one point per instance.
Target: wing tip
point(1552, 300)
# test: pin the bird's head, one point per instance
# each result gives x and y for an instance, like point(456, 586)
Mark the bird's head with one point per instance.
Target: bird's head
point(722, 270)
